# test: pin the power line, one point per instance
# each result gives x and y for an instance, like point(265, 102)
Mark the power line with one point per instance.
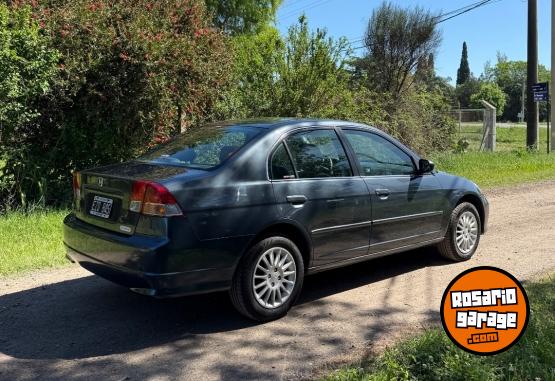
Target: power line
point(291, 4)
point(481, 4)
point(297, 11)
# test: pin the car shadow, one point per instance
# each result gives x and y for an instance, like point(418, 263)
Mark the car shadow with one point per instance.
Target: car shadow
point(90, 317)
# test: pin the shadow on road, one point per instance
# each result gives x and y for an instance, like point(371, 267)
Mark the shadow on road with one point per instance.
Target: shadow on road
point(90, 317)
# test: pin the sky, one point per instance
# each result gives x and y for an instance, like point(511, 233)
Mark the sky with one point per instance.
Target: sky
point(499, 26)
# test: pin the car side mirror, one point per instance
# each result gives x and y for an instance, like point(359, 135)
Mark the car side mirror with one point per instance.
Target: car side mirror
point(425, 166)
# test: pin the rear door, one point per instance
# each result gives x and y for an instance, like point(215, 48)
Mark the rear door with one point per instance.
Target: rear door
point(314, 185)
point(407, 207)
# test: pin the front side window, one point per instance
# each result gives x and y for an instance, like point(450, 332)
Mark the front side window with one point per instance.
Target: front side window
point(318, 153)
point(378, 156)
point(202, 148)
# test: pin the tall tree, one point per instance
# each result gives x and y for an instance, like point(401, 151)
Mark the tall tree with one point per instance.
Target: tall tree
point(463, 74)
point(242, 16)
point(397, 39)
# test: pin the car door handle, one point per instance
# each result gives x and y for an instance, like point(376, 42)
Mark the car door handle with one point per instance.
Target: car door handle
point(297, 199)
point(383, 194)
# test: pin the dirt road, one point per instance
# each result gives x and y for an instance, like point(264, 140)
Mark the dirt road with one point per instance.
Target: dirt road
point(68, 325)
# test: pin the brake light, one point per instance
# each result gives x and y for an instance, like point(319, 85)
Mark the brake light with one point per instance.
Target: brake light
point(153, 199)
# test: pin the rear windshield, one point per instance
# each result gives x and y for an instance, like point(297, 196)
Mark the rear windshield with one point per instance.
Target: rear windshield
point(202, 148)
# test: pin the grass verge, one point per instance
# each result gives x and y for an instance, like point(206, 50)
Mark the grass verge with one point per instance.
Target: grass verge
point(30, 241)
point(509, 164)
point(491, 169)
point(432, 356)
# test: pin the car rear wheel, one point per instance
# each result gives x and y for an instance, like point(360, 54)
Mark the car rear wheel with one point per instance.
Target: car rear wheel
point(463, 234)
point(268, 280)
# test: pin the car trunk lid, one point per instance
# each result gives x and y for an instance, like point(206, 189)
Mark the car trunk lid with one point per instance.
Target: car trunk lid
point(105, 193)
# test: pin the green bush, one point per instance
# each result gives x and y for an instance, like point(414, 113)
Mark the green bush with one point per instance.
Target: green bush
point(28, 68)
point(491, 93)
point(129, 75)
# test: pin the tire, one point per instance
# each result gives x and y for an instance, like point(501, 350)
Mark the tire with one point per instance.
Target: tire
point(449, 248)
point(242, 291)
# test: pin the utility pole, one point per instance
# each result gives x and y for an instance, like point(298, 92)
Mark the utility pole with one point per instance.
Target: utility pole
point(552, 74)
point(532, 107)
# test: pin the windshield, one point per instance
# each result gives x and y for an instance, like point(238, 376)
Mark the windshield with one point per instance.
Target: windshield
point(202, 148)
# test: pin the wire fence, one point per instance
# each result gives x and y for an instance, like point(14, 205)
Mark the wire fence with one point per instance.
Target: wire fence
point(470, 128)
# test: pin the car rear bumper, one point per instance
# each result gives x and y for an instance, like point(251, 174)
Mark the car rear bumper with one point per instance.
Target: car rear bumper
point(137, 262)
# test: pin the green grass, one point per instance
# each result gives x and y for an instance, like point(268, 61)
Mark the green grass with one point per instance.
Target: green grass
point(509, 164)
point(31, 241)
point(491, 169)
point(432, 356)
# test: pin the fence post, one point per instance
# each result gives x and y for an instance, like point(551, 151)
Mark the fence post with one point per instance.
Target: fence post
point(490, 118)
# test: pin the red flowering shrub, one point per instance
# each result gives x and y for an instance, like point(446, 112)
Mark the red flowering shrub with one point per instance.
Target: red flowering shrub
point(131, 74)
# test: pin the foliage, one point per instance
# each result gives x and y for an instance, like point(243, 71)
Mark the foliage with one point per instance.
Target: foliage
point(242, 16)
point(130, 75)
point(397, 39)
point(425, 70)
point(491, 93)
point(465, 91)
point(463, 73)
point(298, 76)
point(432, 356)
point(305, 75)
point(27, 69)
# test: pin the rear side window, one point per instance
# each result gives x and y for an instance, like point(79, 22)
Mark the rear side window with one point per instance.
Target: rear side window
point(281, 167)
point(378, 156)
point(318, 153)
point(202, 148)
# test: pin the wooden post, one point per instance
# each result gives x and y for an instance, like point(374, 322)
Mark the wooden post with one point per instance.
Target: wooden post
point(490, 117)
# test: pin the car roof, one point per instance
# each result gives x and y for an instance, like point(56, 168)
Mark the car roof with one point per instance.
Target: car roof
point(278, 123)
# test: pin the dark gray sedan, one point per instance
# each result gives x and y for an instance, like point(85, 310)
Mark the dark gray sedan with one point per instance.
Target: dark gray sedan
point(252, 207)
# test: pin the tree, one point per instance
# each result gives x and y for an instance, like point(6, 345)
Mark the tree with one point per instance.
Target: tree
point(465, 91)
point(463, 73)
point(242, 16)
point(425, 70)
point(397, 39)
point(299, 75)
point(491, 93)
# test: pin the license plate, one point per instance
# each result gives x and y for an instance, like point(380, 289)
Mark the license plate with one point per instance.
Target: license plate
point(101, 207)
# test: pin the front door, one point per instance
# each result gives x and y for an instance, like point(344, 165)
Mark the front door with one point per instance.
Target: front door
point(314, 186)
point(406, 206)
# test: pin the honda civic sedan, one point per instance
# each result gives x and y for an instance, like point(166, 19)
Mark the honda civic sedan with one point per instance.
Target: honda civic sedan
point(252, 207)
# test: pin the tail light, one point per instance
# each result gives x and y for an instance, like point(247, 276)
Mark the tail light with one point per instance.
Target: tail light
point(153, 199)
point(76, 188)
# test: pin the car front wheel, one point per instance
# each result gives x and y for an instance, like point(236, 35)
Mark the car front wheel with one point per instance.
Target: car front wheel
point(463, 233)
point(268, 279)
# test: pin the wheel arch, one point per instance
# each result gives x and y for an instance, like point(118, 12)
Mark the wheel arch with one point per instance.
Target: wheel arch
point(289, 230)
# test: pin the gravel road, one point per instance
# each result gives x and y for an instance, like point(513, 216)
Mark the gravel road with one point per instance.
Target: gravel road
point(66, 324)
